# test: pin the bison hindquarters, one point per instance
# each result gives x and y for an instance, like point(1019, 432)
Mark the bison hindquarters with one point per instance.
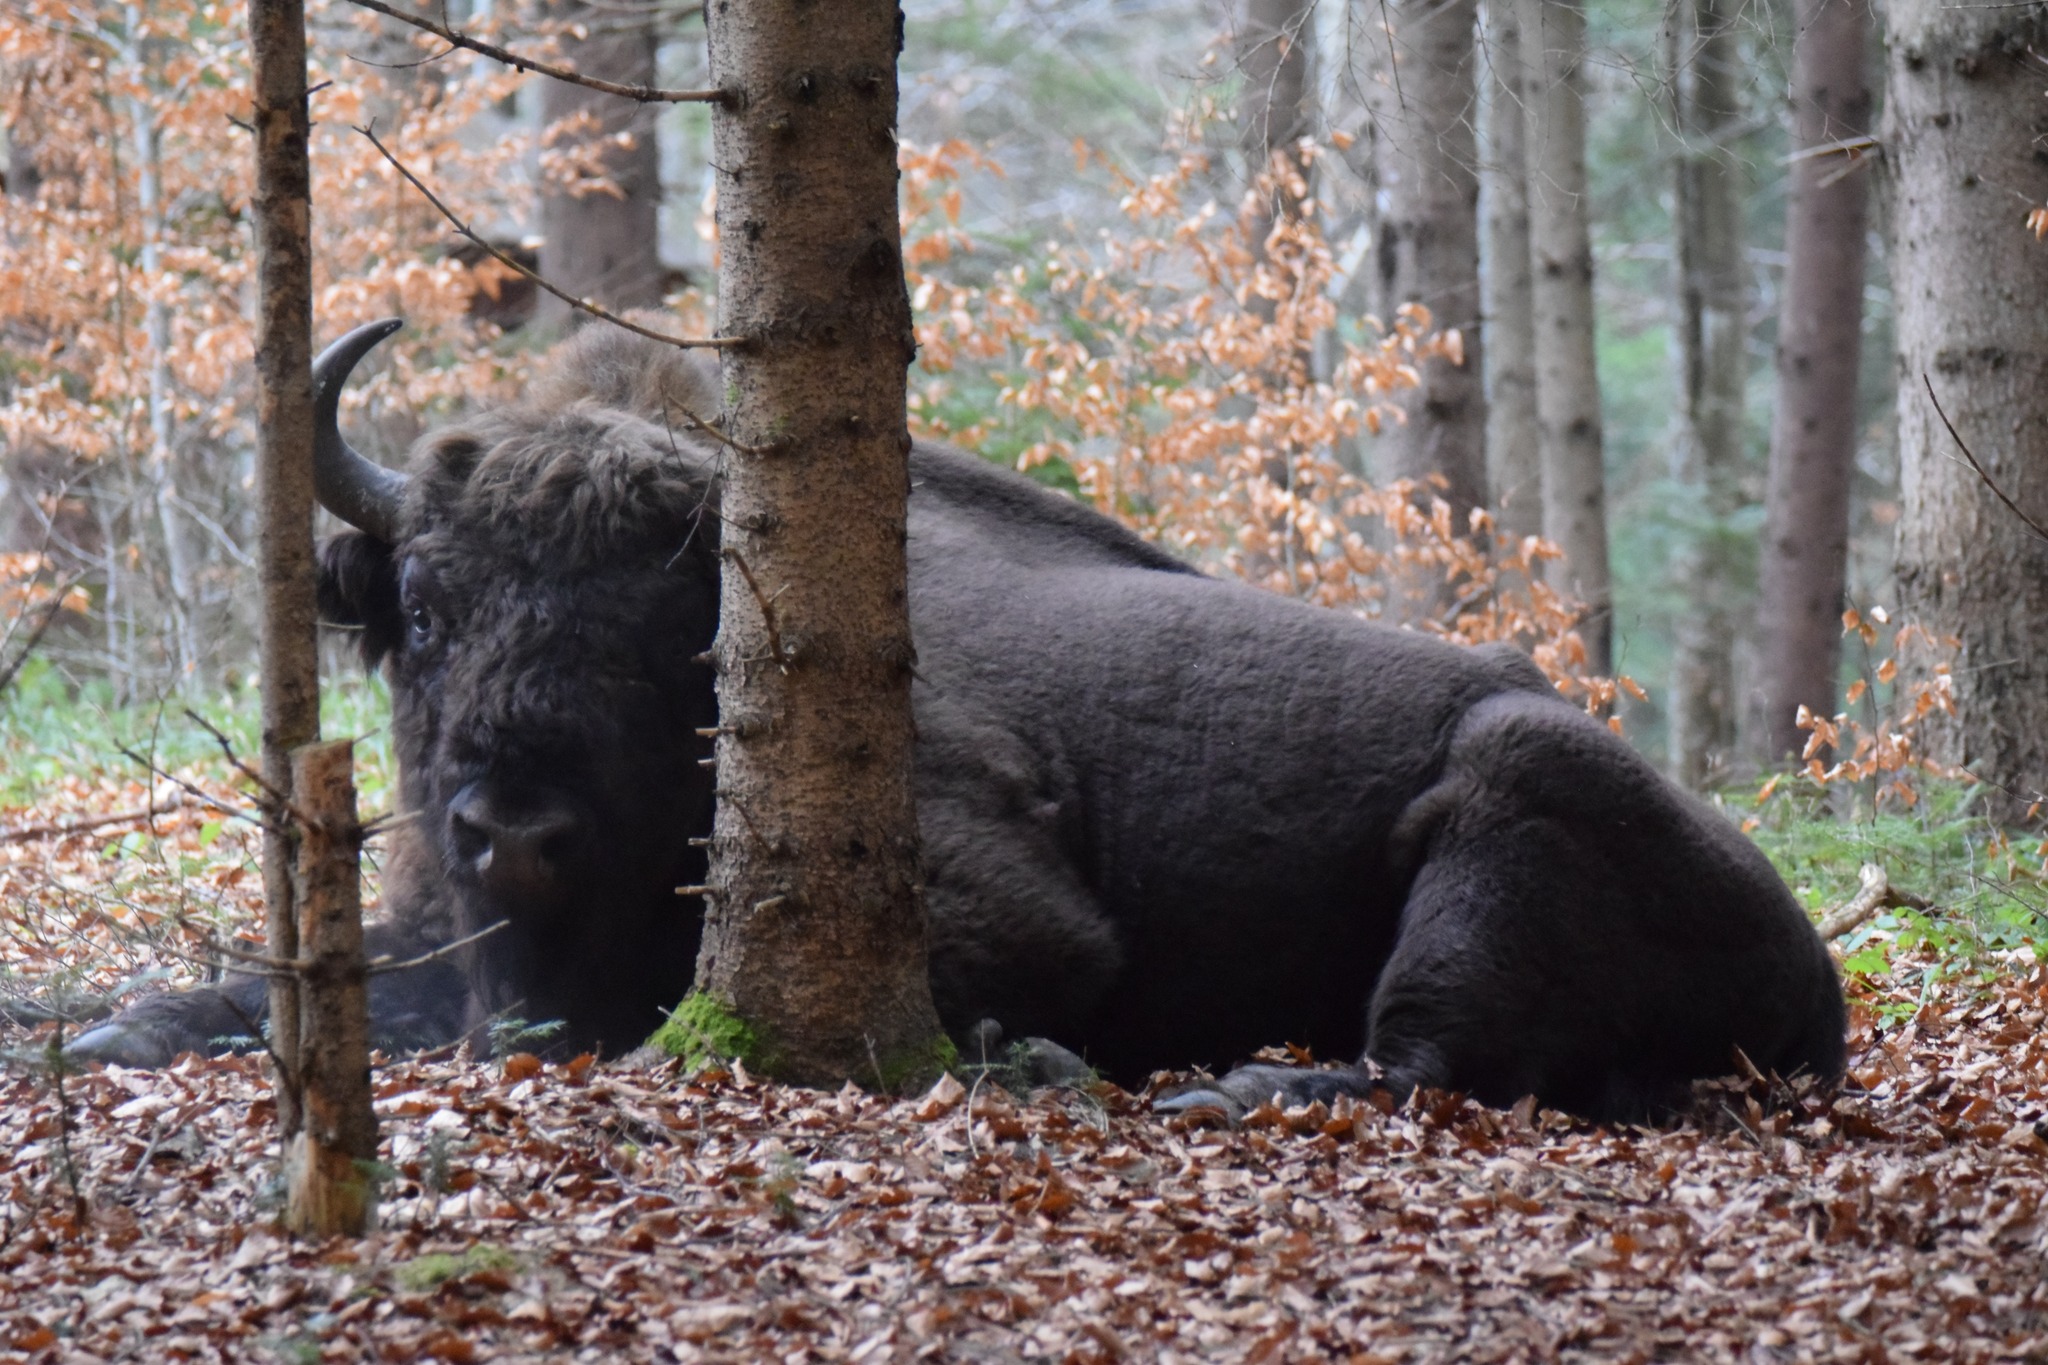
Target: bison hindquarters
point(1581, 930)
point(1577, 929)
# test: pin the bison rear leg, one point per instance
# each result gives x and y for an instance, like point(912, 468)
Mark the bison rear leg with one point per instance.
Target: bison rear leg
point(1247, 1087)
point(1581, 930)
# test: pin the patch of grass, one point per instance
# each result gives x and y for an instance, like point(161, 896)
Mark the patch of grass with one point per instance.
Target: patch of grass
point(1989, 898)
point(54, 730)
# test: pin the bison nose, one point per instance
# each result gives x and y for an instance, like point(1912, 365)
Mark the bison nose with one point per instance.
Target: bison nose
point(514, 850)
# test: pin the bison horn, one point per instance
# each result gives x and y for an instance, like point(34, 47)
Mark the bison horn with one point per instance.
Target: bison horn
point(355, 488)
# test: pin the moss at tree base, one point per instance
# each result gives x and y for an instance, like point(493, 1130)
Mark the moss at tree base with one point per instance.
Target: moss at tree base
point(704, 1031)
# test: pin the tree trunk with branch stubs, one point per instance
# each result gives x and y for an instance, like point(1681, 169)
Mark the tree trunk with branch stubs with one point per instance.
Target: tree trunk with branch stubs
point(1568, 425)
point(1965, 125)
point(1711, 351)
point(284, 470)
point(1820, 341)
point(1514, 469)
point(318, 1020)
point(1424, 105)
point(813, 965)
point(602, 243)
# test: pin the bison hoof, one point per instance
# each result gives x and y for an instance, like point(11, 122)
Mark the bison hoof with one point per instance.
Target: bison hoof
point(119, 1044)
point(1248, 1087)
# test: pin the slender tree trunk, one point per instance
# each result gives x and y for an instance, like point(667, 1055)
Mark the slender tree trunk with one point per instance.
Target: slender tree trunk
point(1966, 123)
point(1567, 376)
point(1424, 108)
point(1514, 473)
point(284, 474)
point(597, 244)
point(328, 1185)
point(814, 958)
point(1276, 48)
point(1820, 336)
point(1711, 351)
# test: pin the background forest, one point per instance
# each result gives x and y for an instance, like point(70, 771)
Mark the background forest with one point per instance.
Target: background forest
point(1027, 128)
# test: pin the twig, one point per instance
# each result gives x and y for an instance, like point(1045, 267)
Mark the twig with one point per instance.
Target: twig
point(380, 965)
point(643, 94)
point(215, 802)
point(1876, 893)
point(36, 632)
point(60, 829)
point(583, 305)
point(767, 608)
point(227, 749)
point(1989, 482)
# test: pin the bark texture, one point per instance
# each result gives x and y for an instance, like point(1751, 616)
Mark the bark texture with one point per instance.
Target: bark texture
point(1567, 376)
point(1820, 341)
point(1514, 469)
point(1965, 127)
point(328, 1189)
point(284, 472)
point(815, 937)
point(1711, 353)
point(1424, 110)
point(602, 244)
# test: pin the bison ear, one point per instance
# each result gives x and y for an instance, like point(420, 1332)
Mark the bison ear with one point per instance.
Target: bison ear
point(359, 587)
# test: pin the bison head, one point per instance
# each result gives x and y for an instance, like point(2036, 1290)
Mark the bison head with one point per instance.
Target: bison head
point(539, 588)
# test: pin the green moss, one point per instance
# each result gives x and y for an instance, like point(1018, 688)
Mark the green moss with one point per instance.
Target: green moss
point(703, 1030)
point(423, 1273)
point(912, 1068)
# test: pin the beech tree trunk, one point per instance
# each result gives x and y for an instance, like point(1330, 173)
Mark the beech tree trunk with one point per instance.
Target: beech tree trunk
point(603, 245)
point(1514, 469)
point(1965, 125)
point(1275, 56)
point(1424, 107)
point(1707, 436)
point(814, 945)
point(1568, 424)
point(1820, 342)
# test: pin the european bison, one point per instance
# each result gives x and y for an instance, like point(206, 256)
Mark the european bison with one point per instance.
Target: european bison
point(1166, 819)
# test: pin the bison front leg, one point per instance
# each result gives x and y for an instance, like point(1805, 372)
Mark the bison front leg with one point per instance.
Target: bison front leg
point(419, 1007)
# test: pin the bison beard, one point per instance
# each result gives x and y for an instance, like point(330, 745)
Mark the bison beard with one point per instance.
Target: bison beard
point(1166, 819)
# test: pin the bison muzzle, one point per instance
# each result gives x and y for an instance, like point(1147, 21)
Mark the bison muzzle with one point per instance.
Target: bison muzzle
point(1166, 819)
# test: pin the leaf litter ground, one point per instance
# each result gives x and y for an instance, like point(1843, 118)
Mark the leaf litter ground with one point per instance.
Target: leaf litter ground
point(629, 1212)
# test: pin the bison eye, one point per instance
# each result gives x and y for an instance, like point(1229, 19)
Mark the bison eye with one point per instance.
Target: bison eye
point(421, 618)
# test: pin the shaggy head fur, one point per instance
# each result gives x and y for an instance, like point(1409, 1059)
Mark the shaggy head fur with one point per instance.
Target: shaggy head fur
point(541, 615)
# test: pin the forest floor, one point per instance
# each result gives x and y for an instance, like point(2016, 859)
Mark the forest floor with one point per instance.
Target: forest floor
point(628, 1211)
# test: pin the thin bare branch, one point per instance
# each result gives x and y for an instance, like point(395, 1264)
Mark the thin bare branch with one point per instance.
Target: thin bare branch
point(61, 829)
point(380, 965)
point(643, 94)
point(1989, 482)
point(582, 305)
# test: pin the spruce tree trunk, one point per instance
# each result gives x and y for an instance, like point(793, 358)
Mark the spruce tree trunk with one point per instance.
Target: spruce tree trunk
point(289, 650)
point(1568, 426)
point(1514, 469)
point(1820, 337)
point(601, 246)
point(813, 962)
point(319, 1027)
point(1707, 438)
point(1966, 124)
point(1424, 109)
